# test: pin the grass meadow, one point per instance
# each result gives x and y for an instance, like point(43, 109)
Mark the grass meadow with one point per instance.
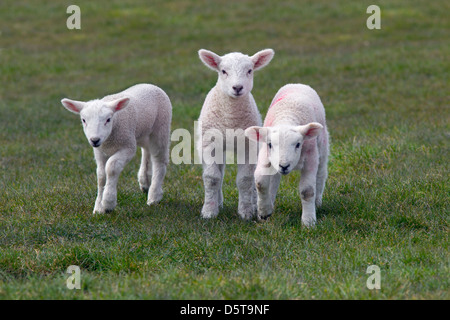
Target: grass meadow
point(386, 202)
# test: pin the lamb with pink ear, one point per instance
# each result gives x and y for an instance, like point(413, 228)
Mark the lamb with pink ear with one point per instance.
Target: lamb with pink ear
point(115, 126)
point(294, 137)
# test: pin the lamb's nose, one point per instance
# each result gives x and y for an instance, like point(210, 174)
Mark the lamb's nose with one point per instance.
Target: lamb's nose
point(95, 141)
point(238, 89)
point(284, 168)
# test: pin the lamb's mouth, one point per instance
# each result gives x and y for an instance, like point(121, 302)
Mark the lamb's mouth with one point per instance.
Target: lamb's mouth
point(284, 172)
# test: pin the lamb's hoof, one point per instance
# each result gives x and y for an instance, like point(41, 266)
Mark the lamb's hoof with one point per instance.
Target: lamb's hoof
point(98, 208)
point(309, 223)
point(210, 211)
point(154, 199)
point(108, 206)
point(153, 202)
point(103, 211)
point(264, 212)
point(318, 202)
point(263, 218)
point(246, 213)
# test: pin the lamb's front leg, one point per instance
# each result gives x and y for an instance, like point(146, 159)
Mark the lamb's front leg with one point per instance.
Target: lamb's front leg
point(307, 187)
point(265, 204)
point(100, 159)
point(246, 186)
point(212, 177)
point(267, 181)
point(113, 168)
point(274, 185)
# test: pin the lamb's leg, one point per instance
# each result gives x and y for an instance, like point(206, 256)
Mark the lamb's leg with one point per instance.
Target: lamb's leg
point(265, 185)
point(145, 170)
point(212, 177)
point(159, 158)
point(274, 185)
point(114, 167)
point(264, 202)
point(101, 159)
point(322, 172)
point(220, 193)
point(245, 182)
point(307, 186)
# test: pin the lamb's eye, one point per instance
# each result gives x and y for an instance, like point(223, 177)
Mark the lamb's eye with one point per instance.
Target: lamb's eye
point(109, 119)
point(297, 145)
point(270, 145)
point(224, 72)
point(249, 71)
point(84, 121)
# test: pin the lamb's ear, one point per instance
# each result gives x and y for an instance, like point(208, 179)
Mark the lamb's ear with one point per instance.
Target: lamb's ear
point(119, 104)
point(262, 58)
point(311, 130)
point(258, 134)
point(73, 105)
point(210, 59)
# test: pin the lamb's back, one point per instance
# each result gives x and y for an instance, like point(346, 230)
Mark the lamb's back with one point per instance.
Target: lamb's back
point(296, 104)
point(147, 102)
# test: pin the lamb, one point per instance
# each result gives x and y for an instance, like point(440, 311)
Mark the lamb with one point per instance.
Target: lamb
point(115, 125)
point(230, 105)
point(294, 137)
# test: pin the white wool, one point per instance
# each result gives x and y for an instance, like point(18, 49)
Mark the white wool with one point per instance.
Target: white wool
point(115, 126)
point(295, 137)
point(230, 105)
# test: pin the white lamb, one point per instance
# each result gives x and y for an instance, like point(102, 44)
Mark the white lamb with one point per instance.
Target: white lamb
point(296, 138)
point(230, 105)
point(115, 126)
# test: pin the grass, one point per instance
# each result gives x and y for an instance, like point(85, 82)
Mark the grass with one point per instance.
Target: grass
point(387, 197)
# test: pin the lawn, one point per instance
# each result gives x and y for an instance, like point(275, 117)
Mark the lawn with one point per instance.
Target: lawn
point(386, 202)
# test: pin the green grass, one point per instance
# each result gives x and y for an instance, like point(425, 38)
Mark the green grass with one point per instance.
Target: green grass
point(387, 197)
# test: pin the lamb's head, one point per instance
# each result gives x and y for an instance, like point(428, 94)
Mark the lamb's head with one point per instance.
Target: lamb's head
point(284, 143)
point(236, 69)
point(96, 116)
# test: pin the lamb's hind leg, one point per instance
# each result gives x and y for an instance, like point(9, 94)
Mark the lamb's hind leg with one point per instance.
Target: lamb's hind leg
point(274, 185)
point(145, 170)
point(159, 160)
point(220, 193)
point(322, 172)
